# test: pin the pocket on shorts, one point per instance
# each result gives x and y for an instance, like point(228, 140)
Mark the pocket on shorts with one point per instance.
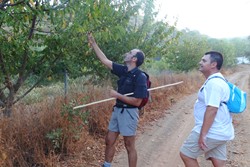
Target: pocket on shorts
point(133, 118)
point(134, 115)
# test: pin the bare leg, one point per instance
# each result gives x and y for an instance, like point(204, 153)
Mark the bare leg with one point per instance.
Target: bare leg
point(218, 163)
point(189, 162)
point(130, 146)
point(110, 145)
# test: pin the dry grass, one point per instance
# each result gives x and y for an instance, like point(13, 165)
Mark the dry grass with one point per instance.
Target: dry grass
point(50, 133)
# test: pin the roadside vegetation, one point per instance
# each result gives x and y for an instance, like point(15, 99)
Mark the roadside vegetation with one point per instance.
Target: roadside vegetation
point(49, 132)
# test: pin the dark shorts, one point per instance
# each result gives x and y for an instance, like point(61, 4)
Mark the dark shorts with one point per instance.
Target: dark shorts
point(125, 122)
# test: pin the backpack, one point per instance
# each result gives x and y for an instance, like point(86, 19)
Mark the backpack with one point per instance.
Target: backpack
point(238, 98)
point(144, 100)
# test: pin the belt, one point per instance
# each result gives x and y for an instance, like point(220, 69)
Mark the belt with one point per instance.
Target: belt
point(124, 106)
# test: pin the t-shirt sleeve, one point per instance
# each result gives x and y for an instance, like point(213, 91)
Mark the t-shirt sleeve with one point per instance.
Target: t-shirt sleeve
point(141, 86)
point(118, 69)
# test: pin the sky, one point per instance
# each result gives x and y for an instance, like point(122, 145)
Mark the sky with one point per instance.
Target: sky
point(215, 18)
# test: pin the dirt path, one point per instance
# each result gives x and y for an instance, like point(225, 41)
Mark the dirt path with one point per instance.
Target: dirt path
point(159, 145)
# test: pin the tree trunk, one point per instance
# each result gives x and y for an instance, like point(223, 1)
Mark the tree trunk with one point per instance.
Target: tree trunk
point(7, 111)
point(8, 105)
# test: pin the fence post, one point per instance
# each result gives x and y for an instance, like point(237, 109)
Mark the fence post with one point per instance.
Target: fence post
point(65, 85)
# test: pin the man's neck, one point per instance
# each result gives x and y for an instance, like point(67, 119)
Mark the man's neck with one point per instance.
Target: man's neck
point(131, 67)
point(211, 73)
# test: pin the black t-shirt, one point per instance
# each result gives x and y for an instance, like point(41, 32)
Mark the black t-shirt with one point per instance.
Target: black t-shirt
point(130, 81)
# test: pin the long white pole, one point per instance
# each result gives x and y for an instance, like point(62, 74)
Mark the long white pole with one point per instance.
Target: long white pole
point(101, 101)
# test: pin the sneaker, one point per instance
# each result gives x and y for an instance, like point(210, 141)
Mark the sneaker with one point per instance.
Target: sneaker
point(105, 165)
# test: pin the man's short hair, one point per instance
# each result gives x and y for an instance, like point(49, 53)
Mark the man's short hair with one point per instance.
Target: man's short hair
point(216, 57)
point(140, 58)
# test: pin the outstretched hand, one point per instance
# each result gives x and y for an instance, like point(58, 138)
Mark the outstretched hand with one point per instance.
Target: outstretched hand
point(91, 39)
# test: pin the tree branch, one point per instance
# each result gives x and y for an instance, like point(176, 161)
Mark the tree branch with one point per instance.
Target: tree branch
point(4, 4)
point(32, 27)
point(39, 80)
point(25, 59)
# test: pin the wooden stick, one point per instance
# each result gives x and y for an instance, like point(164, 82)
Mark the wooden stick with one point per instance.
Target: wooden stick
point(101, 101)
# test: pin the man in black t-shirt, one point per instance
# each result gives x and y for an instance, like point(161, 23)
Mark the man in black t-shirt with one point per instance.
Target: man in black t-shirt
point(125, 115)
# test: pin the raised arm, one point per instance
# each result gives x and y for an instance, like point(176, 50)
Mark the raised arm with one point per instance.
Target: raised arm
point(99, 52)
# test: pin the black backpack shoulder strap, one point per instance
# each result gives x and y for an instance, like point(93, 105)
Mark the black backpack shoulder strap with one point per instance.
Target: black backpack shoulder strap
point(137, 73)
